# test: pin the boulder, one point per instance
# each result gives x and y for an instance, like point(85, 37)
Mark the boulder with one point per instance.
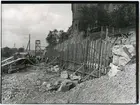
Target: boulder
point(64, 74)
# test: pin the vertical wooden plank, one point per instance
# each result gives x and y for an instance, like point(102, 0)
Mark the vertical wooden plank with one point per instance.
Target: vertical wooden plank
point(106, 54)
point(91, 55)
point(107, 58)
point(99, 67)
point(83, 50)
point(87, 54)
point(81, 47)
point(75, 53)
point(103, 63)
point(94, 59)
point(101, 58)
point(78, 53)
point(85, 66)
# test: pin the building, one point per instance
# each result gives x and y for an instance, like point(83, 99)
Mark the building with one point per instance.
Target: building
point(76, 14)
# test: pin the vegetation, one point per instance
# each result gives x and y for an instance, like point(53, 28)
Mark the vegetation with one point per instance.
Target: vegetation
point(125, 16)
point(54, 37)
point(7, 52)
point(96, 16)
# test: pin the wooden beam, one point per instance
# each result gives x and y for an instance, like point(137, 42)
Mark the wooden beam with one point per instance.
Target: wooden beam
point(88, 75)
point(83, 73)
point(78, 68)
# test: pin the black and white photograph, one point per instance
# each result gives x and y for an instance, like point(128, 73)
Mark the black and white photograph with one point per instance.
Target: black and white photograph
point(69, 52)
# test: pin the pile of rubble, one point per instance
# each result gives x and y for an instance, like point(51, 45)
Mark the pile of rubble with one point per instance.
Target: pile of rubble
point(64, 83)
point(53, 68)
point(122, 54)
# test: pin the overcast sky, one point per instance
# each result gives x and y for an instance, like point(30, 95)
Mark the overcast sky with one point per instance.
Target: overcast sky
point(20, 20)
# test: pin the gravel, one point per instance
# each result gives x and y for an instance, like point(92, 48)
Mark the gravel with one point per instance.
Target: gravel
point(26, 87)
point(118, 89)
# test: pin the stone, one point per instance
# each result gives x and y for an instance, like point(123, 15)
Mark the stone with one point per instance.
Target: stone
point(115, 60)
point(113, 70)
point(57, 83)
point(38, 82)
point(56, 68)
point(44, 83)
point(48, 86)
point(66, 85)
point(53, 87)
point(52, 69)
point(74, 77)
point(64, 74)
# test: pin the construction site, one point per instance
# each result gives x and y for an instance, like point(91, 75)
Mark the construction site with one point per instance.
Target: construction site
point(98, 68)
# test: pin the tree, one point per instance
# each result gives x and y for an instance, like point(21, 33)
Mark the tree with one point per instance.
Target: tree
point(14, 50)
point(95, 16)
point(52, 37)
point(63, 36)
point(124, 16)
point(6, 52)
point(103, 17)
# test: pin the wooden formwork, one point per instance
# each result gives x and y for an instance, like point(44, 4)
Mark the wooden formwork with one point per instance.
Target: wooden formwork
point(89, 56)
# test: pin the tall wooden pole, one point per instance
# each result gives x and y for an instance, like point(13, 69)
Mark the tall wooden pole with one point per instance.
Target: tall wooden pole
point(29, 42)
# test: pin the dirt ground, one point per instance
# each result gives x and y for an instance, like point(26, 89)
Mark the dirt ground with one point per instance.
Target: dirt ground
point(26, 87)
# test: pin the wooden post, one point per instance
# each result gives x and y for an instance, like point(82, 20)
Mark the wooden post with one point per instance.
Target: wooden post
point(99, 46)
point(87, 49)
point(107, 33)
point(29, 42)
point(94, 60)
point(101, 31)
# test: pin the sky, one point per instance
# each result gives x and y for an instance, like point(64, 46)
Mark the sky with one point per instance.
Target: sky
point(20, 20)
